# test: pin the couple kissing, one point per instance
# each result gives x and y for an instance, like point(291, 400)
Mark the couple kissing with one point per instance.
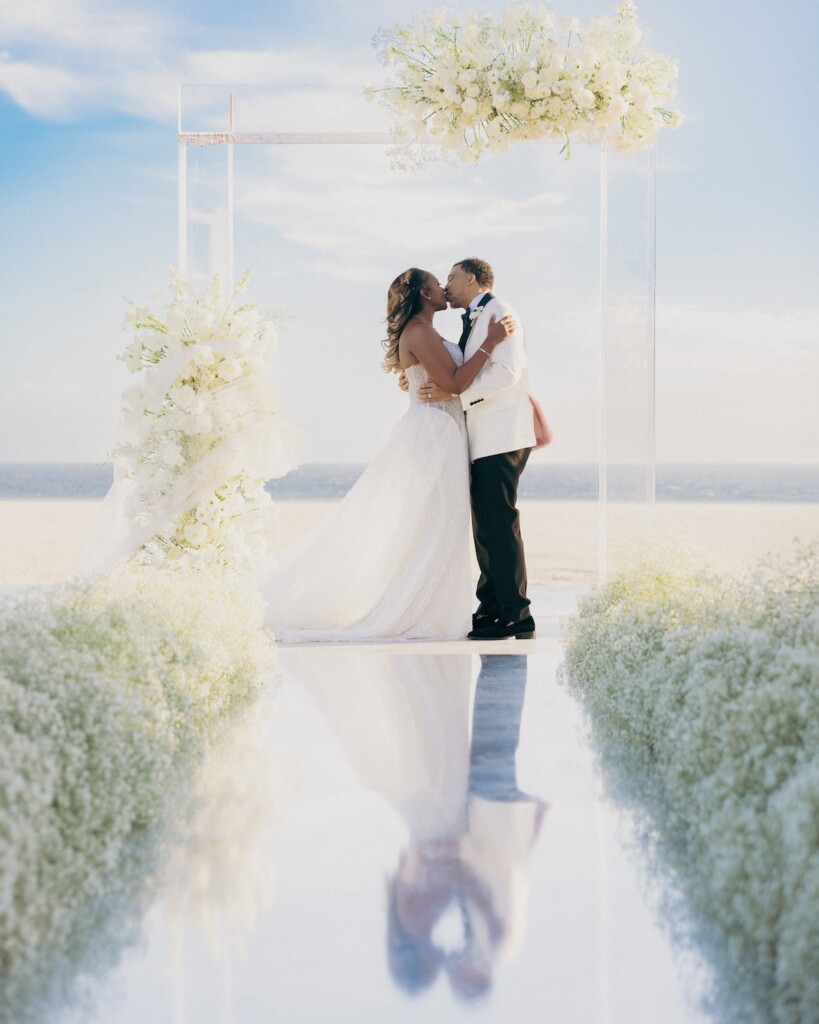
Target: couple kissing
point(392, 559)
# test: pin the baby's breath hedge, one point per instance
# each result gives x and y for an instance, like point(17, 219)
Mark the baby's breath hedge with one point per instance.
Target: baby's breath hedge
point(702, 690)
point(108, 689)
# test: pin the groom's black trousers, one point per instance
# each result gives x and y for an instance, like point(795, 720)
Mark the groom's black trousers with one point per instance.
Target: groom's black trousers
point(496, 527)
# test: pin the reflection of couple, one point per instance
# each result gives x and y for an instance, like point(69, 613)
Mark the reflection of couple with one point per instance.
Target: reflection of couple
point(457, 901)
point(392, 559)
point(473, 872)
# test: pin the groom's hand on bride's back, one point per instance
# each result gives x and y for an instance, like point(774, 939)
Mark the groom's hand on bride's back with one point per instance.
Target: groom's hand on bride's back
point(403, 383)
point(432, 392)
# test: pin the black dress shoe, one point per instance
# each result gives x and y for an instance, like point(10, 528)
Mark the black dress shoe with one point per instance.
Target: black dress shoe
point(523, 629)
point(480, 618)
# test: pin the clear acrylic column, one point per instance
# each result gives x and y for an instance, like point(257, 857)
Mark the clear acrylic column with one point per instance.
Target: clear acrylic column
point(590, 330)
point(205, 183)
point(627, 356)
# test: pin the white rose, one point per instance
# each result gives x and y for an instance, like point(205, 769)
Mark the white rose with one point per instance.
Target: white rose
point(160, 478)
point(234, 504)
point(469, 106)
point(201, 355)
point(589, 55)
point(134, 401)
point(229, 369)
point(196, 534)
point(133, 356)
point(171, 454)
point(618, 106)
point(182, 395)
point(202, 424)
point(153, 341)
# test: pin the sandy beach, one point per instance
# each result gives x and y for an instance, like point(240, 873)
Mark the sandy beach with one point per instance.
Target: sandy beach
point(42, 541)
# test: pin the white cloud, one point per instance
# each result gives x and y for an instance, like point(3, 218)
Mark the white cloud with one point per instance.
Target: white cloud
point(737, 385)
point(738, 338)
point(323, 197)
point(80, 27)
point(42, 90)
point(64, 58)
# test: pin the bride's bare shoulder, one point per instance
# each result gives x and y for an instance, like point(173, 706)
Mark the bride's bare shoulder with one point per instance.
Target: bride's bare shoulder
point(420, 332)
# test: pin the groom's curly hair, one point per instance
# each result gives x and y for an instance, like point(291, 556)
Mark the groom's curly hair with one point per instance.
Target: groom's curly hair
point(484, 274)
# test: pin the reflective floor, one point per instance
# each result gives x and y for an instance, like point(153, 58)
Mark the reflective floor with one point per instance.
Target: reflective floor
point(404, 833)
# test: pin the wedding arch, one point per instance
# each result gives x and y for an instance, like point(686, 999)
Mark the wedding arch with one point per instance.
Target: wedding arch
point(296, 176)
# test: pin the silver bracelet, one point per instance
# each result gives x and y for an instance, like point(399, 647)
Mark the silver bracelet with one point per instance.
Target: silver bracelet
point(487, 354)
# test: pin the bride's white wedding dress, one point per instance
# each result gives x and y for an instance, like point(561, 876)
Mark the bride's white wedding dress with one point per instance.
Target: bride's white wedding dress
point(392, 559)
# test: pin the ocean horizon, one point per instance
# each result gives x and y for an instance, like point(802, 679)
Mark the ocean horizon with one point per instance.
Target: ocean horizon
point(324, 481)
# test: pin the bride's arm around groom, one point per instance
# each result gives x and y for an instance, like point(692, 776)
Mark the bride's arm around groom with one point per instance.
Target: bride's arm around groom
point(497, 401)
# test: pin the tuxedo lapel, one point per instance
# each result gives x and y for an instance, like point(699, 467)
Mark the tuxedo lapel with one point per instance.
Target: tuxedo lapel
point(472, 336)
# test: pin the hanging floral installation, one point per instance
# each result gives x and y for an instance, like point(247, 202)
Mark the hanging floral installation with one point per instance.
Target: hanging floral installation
point(473, 83)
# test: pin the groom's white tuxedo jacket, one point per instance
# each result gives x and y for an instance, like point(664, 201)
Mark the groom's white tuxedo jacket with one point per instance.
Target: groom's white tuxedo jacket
point(499, 415)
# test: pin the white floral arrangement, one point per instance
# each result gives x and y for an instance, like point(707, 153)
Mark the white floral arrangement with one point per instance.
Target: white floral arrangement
point(471, 83)
point(110, 689)
point(702, 692)
point(201, 434)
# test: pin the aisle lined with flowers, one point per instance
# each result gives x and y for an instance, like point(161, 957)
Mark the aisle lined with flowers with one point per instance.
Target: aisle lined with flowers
point(111, 689)
point(702, 691)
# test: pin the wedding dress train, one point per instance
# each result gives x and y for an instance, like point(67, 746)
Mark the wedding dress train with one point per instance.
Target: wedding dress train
point(392, 559)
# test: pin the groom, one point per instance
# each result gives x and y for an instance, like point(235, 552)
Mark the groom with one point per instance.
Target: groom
point(500, 426)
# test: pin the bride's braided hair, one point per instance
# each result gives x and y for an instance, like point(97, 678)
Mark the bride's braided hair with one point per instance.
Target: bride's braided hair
point(403, 302)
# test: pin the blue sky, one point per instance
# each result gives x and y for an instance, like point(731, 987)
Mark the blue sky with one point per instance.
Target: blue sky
point(87, 125)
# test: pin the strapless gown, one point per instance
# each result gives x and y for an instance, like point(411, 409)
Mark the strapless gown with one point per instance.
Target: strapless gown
point(392, 560)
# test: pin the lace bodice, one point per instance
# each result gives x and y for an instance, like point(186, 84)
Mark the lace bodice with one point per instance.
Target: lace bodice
point(417, 376)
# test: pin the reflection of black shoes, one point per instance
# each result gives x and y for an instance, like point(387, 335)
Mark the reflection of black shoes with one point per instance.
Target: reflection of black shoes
point(523, 629)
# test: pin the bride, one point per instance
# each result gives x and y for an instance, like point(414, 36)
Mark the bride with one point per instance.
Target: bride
point(392, 559)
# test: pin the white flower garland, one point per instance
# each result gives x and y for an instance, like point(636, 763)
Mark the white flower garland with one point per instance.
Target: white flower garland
point(703, 695)
point(201, 434)
point(474, 83)
point(109, 689)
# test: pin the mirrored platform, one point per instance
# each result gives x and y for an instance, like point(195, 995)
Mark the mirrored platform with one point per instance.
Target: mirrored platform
point(401, 833)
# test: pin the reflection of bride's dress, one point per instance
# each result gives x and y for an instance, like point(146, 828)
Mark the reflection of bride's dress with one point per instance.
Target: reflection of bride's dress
point(458, 897)
point(392, 559)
